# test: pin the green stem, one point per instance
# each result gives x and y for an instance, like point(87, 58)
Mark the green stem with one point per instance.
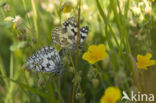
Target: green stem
point(100, 73)
point(60, 17)
point(59, 92)
point(35, 17)
point(77, 49)
point(121, 27)
point(10, 90)
point(3, 73)
point(104, 17)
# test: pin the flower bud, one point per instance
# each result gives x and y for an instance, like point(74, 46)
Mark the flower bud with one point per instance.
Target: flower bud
point(41, 82)
point(67, 7)
point(7, 7)
point(78, 96)
point(95, 82)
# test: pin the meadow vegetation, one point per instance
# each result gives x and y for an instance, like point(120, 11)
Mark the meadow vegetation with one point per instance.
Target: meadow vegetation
point(118, 54)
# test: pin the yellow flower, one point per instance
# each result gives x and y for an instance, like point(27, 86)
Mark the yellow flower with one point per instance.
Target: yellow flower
point(67, 7)
point(144, 61)
point(95, 53)
point(111, 95)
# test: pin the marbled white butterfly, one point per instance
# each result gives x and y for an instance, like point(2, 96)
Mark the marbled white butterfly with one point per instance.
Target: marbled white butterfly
point(47, 59)
point(66, 36)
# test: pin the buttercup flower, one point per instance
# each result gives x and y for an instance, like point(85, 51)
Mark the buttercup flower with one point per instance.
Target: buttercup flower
point(95, 53)
point(144, 61)
point(111, 95)
point(95, 82)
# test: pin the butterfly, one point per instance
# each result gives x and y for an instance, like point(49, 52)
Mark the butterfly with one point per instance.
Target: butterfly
point(47, 59)
point(66, 35)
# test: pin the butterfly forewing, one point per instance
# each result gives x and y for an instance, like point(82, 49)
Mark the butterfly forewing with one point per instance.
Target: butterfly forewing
point(46, 59)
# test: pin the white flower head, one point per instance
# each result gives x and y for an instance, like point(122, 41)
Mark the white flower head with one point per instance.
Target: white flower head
point(9, 19)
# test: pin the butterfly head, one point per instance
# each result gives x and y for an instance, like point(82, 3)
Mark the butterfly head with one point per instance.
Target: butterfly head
point(60, 69)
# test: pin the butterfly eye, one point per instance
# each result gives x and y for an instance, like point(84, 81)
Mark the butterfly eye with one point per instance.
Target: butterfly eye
point(58, 73)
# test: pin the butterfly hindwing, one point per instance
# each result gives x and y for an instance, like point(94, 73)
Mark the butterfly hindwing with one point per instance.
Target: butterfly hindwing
point(66, 36)
point(83, 33)
point(62, 38)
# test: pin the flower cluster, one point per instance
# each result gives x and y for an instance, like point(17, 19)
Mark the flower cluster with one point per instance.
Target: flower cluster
point(16, 21)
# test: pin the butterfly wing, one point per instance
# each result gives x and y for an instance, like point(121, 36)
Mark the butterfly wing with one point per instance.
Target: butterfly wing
point(66, 36)
point(46, 59)
point(84, 33)
point(70, 25)
point(62, 38)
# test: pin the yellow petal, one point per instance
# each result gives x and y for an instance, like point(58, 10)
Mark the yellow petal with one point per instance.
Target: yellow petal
point(92, 61)
point(152, 62)
point(86, 56)
point(138, 65)
point(95, 53)
point(148, 55)
point(92, 48)
point(102, 100)
point(141, 66)
point(139, 57)
point(105, 54)
point(101, 47)
point(144, 61)
point(102, 50)
point(111, 95)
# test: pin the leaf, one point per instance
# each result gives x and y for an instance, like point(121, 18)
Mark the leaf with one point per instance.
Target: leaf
point(13, 47)
point(21, 44)
point(101, 12)
point(17, 46)
point(3, 3)
point(27, 87)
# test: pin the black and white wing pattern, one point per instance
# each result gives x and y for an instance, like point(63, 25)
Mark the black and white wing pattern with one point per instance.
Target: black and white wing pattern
point(83, 33)
point(62, 38)
point(66, 36)
point(47, 59)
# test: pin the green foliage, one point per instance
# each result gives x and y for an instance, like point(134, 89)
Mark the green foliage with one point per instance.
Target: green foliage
point(126, 27)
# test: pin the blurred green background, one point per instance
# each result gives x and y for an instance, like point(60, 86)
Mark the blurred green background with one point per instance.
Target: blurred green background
point(131, 23)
